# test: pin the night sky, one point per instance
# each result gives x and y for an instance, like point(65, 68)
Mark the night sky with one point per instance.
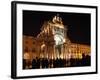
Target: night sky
point(78, 24)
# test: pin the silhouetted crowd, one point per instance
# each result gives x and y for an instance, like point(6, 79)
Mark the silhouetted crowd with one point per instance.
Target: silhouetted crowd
point(52, 63)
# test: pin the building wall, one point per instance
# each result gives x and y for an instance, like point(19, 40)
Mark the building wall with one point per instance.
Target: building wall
point(43, 46)
point(35, 48)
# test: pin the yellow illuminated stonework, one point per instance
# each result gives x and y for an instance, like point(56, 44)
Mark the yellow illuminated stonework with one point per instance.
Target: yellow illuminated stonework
point(52, 43)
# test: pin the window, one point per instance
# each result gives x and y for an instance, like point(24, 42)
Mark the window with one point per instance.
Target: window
point(33, 50)
point(26, 49)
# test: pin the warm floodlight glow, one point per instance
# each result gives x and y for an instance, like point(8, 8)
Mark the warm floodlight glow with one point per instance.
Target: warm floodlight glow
point(64, 40)
point(42, 46)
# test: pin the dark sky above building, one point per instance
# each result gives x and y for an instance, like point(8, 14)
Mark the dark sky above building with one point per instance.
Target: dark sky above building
point(78, 24)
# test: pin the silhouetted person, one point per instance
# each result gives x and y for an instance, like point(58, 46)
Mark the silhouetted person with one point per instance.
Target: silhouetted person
point(33, 64)
point(54, 63)
point(57, 62)
point(24, 63)
point(60, 63)
point(88, 60)
point(63, 62)
point(37, 62)
point(46, 63)
point(72, 62)
point(50, 63)
point(43, 63)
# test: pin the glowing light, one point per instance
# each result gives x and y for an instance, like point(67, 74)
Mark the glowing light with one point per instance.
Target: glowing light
point(42, 46)
point(59, 26)
point(26, 56)
point(64, 40)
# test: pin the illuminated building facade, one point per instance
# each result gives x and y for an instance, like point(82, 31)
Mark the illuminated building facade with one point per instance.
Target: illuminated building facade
point(52, 43)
